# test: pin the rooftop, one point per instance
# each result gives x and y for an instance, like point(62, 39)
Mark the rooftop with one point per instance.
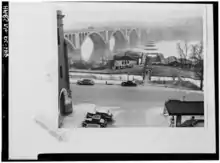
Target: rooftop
point(177, 107)
point(124, 58)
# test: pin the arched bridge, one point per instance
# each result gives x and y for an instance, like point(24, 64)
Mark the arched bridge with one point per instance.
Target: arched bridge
point(123, 38)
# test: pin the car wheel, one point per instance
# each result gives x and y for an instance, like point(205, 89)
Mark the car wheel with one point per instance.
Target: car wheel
point(102, 125)
point(83, 125)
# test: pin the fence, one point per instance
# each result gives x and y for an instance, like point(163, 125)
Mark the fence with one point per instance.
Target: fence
point(193, 81)
point(122, 77)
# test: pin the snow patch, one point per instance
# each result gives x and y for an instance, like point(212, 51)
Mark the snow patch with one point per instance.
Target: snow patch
point(155, 118)
point(59, 134)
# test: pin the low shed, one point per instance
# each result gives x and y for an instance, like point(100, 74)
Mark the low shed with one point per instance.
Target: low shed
point(177, 107)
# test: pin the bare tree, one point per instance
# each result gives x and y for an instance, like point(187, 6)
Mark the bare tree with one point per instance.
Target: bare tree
point(197, 57)
point(183, 52)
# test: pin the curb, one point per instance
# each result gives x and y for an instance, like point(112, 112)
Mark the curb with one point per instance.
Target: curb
point(179, 89)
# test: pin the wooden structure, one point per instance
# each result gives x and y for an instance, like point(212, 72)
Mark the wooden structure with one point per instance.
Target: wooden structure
point(177, 108)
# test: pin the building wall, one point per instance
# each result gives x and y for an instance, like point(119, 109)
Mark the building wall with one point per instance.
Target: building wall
point(63, 68)
point(124, 63)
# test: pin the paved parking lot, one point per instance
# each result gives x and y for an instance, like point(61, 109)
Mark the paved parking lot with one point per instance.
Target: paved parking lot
point(131, 106)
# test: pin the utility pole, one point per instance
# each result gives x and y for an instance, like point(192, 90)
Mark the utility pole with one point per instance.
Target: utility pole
point(145, 66)
point(102, 60)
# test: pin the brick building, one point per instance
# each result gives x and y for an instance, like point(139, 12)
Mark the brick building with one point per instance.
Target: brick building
point(65, 99)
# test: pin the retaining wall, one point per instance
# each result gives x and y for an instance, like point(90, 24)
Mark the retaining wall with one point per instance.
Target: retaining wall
point(157, 78)
point(121, 77)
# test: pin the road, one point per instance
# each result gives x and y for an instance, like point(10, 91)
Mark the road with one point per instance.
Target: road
point(138, 106)
point(127, 97)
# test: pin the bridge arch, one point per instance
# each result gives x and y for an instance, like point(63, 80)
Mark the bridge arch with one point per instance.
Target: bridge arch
point(100, 48)
point(120, 42)
point(133, 38)
point(69, 43)
point(92, 34)
point(72, 51)
point(68, 36)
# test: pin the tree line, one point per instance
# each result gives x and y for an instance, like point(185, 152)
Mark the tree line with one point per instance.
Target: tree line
point(193, 52)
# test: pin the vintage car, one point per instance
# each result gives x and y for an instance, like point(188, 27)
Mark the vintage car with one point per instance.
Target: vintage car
point(193, 123)
point(105, 114)
point(95, 120)
point(85, 82)
point(129, 83)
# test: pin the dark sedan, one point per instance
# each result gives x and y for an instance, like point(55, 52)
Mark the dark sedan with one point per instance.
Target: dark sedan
point(129, 83)
point(85, 82)
point(105, 114)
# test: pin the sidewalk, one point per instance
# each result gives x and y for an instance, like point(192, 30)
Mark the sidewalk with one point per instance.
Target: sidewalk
point(173, 87)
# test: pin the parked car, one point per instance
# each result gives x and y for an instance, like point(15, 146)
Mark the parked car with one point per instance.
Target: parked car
point(193, 123)
point(105, 114)
point(199, 123)
point(129, 83)
point(90, 114)
point(85, 82)
point(95, 120)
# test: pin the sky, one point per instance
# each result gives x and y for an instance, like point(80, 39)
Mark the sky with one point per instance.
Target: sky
point(82, 15)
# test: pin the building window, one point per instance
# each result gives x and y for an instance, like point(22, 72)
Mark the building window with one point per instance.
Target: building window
point(61, 72)
point(58, 36)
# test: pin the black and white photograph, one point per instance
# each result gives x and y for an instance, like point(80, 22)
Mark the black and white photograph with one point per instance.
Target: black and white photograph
point(110, 77)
